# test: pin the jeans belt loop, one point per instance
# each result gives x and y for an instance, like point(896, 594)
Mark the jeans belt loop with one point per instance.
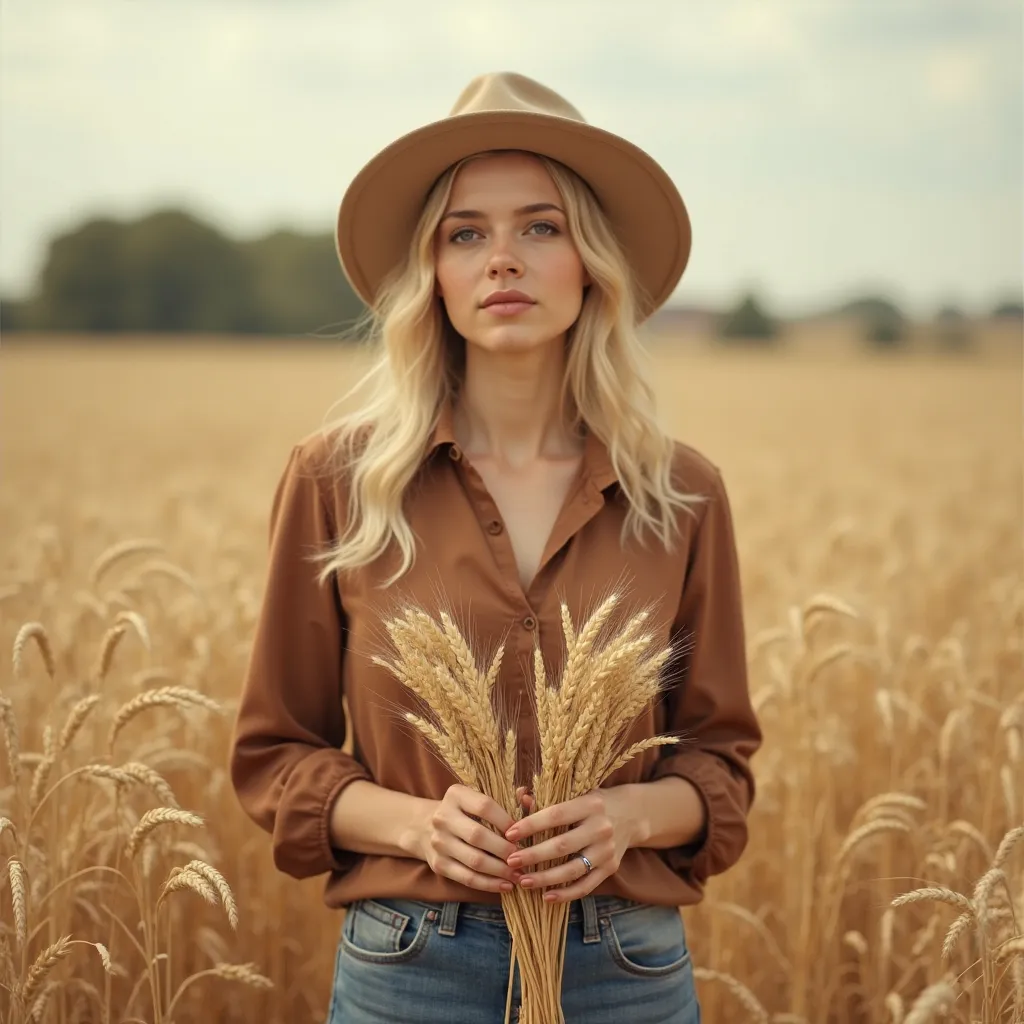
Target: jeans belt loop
point(449, 917)
point(591, 928)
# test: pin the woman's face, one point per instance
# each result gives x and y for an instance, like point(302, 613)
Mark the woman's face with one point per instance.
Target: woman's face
point(504, 230)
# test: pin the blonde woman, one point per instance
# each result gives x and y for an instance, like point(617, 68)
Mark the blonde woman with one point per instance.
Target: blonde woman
point(506, 457)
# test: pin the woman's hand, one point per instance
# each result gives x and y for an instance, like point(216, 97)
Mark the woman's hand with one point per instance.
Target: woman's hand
point(602, 830)
point(466, 850)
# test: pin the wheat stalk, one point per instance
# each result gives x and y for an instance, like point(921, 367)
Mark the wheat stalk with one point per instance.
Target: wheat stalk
point(934, 1000)
point(44, 963)
point(165, 696)
point(755, 1011)
point(12, 739)
point(954, 899)
point(117, 552)
point(76, 718)
point(108, 646)
point(152, 779)
point(219, 882)
point(245, 973)
point(184, 879)
point(603, 686)
point(961, 925)
point(16, 873)
point(1006, 845)
point(34, 631)
point(156, 817)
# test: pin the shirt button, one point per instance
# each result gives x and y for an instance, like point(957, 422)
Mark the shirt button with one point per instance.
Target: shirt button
point(494, 527)
point(454, 453)
point(530, 622)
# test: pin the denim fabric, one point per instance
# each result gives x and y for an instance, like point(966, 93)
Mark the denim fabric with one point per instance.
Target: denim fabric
point(406, 962)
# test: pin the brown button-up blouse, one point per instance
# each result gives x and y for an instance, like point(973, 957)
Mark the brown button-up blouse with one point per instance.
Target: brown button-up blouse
point(313, 644)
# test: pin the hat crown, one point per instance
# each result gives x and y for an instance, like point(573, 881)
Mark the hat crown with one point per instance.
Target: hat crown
point(505, 90)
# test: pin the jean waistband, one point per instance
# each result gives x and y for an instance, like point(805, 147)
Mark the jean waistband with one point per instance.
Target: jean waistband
point(599, 906)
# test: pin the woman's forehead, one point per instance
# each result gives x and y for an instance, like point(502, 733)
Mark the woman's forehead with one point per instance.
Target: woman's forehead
point(502, 177)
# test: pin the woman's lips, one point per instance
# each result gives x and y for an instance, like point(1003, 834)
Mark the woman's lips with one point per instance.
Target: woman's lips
point(508, 308)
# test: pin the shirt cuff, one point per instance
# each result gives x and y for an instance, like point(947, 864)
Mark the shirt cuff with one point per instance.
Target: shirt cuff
point(703, 772)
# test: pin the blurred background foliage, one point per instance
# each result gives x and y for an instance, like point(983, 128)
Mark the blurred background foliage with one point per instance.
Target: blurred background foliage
point(169, 272)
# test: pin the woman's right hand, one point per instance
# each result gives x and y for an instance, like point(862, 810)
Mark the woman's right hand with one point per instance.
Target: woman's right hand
point(465, 850)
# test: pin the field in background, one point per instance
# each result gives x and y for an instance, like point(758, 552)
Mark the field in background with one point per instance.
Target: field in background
point(889, 484)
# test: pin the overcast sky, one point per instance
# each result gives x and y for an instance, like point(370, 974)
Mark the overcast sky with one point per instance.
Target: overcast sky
point(823, 148)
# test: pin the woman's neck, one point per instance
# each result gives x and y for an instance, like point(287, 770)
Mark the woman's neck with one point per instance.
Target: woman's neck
point(508, 406)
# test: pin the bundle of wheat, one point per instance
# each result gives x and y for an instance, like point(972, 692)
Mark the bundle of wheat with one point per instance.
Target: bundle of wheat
point(608, 679)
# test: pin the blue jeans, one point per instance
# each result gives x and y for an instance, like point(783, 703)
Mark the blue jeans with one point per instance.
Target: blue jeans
point(406, 962)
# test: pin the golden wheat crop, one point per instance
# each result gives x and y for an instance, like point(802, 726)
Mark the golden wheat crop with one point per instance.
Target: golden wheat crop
point(582, 721)
point(879, 513)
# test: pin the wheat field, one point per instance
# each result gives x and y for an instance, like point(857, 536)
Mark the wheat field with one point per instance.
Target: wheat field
point(878, 504)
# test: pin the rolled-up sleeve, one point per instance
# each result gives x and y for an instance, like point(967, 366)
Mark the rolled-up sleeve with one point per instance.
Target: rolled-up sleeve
point(710, 705)
point(286, 762)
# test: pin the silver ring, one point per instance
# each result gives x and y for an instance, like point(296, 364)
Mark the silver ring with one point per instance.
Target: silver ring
point(586, 861)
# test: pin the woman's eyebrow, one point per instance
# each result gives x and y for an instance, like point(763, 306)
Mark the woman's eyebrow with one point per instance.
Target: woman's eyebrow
point(479, 215)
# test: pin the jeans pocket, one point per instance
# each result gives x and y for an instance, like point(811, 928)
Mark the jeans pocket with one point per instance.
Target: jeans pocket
point(378, 934)
point(649, 942)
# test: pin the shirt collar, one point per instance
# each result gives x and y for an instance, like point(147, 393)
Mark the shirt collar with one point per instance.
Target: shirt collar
point(597, 462)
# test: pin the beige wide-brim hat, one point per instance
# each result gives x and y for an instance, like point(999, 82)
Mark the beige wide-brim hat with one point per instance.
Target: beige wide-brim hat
point(381, 206)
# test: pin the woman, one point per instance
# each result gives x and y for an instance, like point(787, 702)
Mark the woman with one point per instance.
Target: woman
point(507, 459)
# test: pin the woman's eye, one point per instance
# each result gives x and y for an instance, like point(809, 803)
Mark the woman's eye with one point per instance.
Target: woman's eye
point(460, 235)
point(550, 229)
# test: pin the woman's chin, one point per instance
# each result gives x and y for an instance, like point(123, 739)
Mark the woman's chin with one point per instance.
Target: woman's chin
point(514, 338)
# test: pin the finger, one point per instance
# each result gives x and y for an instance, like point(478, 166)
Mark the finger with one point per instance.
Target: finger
point(568, 813)
point(557, 847)
point(476, 860)
point(571, 871)
point(476, 834)
point(472, 801)
point(458, 872)
point(586, 885)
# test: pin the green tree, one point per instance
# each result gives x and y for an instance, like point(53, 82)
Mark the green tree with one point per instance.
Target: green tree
point(951, 329)
point(82, 282)
point(1009, 309)
point(748, 321)
point(180, 274)
point(298, 284)
point(882, 323)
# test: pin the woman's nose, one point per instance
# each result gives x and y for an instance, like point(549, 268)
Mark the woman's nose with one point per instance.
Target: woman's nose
point(504, 261)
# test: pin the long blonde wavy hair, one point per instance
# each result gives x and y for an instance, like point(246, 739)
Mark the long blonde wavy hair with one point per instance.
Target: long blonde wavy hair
point(418, 363)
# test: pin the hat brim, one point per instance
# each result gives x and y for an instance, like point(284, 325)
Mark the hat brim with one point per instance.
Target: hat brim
point(382, 205)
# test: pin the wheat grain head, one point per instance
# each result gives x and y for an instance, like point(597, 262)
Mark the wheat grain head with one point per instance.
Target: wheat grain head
point(34, 631)
point(165, 696)
point(16, 873)
point(156, 817)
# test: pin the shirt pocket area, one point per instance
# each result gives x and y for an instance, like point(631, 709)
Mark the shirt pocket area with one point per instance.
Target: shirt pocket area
point(377, 934)
point(649, 942)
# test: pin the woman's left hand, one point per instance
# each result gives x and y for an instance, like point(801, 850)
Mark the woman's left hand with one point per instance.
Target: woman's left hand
point(600, 829)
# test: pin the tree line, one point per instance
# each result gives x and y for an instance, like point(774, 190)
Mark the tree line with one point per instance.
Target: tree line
point(170, 271)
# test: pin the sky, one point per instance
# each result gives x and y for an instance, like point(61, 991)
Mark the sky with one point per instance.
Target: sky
point(824, 148)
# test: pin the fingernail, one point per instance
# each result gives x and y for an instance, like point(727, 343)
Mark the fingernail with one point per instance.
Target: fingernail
point(512, 835)
point(506, 886)
point(527, 882)
point(550, 897)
